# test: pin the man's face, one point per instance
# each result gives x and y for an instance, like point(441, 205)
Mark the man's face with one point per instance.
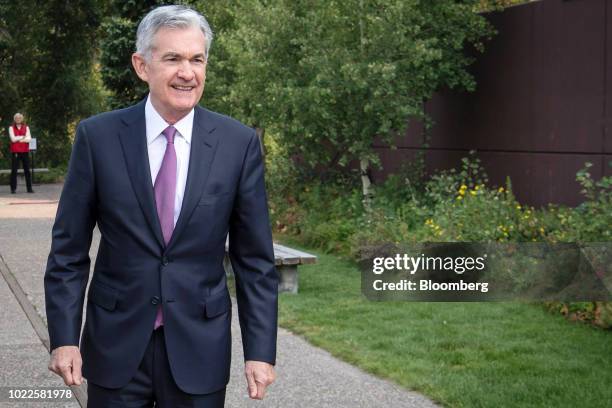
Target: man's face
point(175, 72)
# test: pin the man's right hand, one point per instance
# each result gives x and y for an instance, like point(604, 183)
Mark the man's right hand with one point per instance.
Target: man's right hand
point(66, 362)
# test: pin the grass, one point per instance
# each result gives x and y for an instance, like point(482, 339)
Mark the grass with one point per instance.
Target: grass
point(458, 354)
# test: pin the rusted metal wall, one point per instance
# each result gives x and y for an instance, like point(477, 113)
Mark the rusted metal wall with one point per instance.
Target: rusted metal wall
point(542, 107)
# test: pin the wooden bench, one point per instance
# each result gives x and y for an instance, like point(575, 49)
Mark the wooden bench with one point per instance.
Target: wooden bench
point(287, 261)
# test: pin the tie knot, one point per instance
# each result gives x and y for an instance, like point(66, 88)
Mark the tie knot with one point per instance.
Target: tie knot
point(169, 132)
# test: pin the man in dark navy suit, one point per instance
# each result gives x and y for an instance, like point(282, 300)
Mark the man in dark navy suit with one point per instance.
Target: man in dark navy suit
point(165, 181)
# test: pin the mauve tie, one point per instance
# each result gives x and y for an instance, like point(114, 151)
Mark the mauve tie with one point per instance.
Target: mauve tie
point(165, 192)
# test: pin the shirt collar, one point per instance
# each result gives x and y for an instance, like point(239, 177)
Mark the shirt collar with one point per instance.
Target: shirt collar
point(156, 124)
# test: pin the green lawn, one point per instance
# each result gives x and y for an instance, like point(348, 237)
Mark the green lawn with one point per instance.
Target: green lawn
point(458, 354)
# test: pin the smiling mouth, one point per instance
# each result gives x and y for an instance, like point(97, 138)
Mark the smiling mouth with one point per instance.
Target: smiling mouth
point(183, 88)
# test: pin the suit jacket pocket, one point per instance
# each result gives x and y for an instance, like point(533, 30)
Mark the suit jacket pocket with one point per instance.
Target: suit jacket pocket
point(217, 304)
point(103, 296)
point(210, 199)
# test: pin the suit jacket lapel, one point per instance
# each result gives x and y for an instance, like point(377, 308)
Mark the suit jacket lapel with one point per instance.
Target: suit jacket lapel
point(134, 143)
point(203, 147)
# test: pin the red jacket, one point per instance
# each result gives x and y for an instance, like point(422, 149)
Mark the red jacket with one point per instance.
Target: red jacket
point(20, 147)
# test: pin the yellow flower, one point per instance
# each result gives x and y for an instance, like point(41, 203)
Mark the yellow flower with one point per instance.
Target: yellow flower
point(500, 190)
point(459, 198)
point(476, 188)
point(518, 207)
point(473, 193)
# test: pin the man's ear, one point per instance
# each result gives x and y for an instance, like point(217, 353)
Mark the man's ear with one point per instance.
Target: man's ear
point(140, 65)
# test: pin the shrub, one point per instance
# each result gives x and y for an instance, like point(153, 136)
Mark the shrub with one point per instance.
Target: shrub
point(453, 205)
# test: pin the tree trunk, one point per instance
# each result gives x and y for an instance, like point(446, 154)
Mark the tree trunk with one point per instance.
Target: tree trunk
point(366, 183)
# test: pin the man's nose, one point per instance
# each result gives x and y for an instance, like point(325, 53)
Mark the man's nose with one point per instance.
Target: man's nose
point(186, 71)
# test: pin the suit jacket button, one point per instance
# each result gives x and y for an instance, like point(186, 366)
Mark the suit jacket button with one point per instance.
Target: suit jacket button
point(155, 300)
point(165, 261)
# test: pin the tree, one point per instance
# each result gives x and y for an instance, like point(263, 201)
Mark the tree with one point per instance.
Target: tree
point(48, 59)
point(220, 71)
point(330, 76)
point(15, 40)
point(117, 44)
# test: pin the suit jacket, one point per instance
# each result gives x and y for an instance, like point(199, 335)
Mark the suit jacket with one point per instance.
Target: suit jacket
point(109, 183)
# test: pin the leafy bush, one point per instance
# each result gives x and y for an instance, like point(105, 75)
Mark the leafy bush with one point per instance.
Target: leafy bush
point(453, 205)
point(591, 220)
point(55, 175)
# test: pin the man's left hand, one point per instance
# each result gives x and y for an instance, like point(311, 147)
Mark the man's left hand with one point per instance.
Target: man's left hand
point(258, 375)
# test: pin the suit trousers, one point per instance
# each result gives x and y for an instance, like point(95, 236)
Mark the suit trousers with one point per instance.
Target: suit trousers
point(152, 385)
point(24, 158)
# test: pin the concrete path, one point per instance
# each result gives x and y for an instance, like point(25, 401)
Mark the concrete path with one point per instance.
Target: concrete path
point(307, 376)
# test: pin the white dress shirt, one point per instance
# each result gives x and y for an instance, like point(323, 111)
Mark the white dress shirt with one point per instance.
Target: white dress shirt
point(156, 147)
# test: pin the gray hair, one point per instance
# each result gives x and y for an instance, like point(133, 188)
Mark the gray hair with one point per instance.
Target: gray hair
point(175, 16)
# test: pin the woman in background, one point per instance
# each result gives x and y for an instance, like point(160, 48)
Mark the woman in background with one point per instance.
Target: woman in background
point(20, 136)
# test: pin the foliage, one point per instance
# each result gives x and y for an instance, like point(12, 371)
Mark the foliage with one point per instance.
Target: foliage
point(335, 74)
point(454, 205)
point(491, 5)
point(588, 222)
point(49, 65)
point(600, 313)
point(54, 175)
point(220, 70)
point(117, 44)
point(116, 47)
point(12, 76)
